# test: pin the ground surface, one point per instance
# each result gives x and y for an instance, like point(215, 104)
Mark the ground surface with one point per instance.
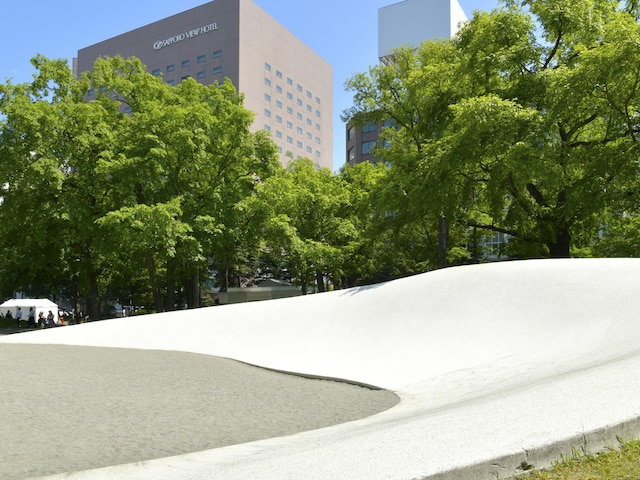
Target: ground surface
point(76, 408)
point(497, 366)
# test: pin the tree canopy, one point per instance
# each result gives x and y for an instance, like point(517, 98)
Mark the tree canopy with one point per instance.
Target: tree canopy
point(525, 123)
point(117, 173)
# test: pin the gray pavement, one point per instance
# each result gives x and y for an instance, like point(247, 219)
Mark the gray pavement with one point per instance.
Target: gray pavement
point(71, 408)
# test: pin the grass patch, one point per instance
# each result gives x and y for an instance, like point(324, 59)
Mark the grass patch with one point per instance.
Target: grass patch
point(613, 464)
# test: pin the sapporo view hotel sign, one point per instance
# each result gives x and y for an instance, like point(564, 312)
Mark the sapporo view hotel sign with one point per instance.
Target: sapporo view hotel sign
point(183, 36)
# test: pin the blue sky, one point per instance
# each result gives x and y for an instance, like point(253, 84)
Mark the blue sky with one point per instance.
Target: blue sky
point(343, 32)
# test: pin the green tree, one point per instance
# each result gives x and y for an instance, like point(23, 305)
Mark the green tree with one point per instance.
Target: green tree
point(187, 158)
point(143, 177)
point(537, 131)
point(413, 95)
point(363, 259)
point(50, 141)
point(305, 213)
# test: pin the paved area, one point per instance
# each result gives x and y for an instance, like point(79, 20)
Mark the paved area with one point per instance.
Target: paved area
point(72, 408)
point(495, 365)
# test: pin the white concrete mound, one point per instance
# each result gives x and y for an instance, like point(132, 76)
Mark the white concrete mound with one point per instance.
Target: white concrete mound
point(499, 367)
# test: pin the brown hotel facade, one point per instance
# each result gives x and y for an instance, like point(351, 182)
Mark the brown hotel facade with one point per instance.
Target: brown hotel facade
point(285, 83)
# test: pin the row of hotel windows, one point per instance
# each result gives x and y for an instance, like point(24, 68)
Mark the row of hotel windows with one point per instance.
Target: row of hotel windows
point(217, 70)
point(299, 102)
point(187, 63)
point(299, 116)
point(299, 144)
point(267, 81)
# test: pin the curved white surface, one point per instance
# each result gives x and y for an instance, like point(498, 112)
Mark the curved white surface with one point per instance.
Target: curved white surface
point(495, 364)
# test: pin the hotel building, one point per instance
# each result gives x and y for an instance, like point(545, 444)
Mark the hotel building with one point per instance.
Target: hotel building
point(285, 83)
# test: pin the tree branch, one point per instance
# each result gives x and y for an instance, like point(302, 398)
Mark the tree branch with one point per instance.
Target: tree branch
point(554, 50)
point(536, 194)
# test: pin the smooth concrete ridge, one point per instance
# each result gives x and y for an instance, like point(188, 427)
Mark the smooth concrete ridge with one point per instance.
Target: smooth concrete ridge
point(497, 366)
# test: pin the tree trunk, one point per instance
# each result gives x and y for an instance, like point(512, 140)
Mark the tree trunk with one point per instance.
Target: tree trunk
point(560, 247)
point(151, 270)
point(320, 281)
point(443, 235)
point(170, 297)
point(94, 298)
point(93, 304)
point(193, 289)
point(75, 296)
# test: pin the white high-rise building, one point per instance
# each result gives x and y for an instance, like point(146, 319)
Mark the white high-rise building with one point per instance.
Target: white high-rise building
point(411, 22)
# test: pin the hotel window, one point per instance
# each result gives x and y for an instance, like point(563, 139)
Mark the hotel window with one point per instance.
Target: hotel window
point(200, 75)
point(290, 110)
point(201, 58)
point(289, 95)
point(278, 104)
point(91, 91)
point(217, 70)
point(289, 125)
point(171, 82)
point(309, 136)
point(309, 122)
point(171, 68)
point(367, 146)
point(299, 102)
point(267, 113)
point(278, 119)
point(279, 149)
point(217, 54)
point(278, 74)
point(278, 89)
point(318, 127)
point(299, 144)
point(267, 97)
point(289, 81)
point(128, 110)
point(267, 127)
point(351, 133)
point(156, 72)
point(185, 77)
point(186, 63)
point(267, 82)
point(318, 100)
point(267, 67)
point(289, 139)
point(309, 94)
point(318, 154)
point(299, 116)
point(318, 140)
point(299, 87)
point(309, 150)
point(318, 113)
point(299, 130)
point(309, 108)
point(352, 154)
point(278, 134)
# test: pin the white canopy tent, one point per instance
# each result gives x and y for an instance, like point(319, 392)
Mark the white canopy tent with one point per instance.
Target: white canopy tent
point(39, 305)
